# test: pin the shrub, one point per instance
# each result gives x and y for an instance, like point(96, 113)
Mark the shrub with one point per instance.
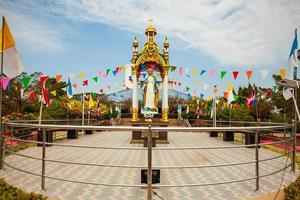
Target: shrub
point(8, 192)
point(292, 192)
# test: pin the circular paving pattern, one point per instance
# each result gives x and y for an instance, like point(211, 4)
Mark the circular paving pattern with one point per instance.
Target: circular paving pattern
point(70, 191)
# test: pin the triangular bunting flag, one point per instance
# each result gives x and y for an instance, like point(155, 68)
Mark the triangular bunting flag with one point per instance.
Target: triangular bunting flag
point(81, 75)
point(235, 74)
point(95, 79)
point(54, 93)
point(264, 73)
point(107, 71)
point(5, 82)
point(74, 85)
point(282, 73)
point(223, 73)
point(202, 71)
point(85, 82)
point(58, 78)
point(249, 74)
point(26, 81)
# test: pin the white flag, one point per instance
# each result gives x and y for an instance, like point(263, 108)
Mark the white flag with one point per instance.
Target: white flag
point(287, 93)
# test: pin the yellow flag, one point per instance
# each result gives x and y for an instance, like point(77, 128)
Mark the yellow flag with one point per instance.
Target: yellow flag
point(229, 87)
point(12, 63)
point(197, 81)
point(54, 93)
point(91, 102)
point(282, 73)
point(8, 38)
point(195, 72)
point(81, 75)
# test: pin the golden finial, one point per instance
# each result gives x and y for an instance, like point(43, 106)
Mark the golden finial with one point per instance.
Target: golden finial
point(150, 20)
point(135, 42)
point(150, 30)
point(166, 43)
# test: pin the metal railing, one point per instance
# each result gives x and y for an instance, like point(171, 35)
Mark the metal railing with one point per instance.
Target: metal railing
point(289, 145)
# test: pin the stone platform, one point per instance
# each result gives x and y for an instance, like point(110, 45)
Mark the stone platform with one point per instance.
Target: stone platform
point(162, 136)
point(73, 191)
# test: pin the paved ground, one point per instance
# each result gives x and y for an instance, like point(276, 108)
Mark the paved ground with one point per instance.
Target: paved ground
point(72, 191)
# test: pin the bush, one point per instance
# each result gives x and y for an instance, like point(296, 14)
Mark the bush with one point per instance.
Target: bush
point(292, 192)
point(8, 192)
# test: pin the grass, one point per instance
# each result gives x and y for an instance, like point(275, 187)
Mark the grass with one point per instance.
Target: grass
point(8, 192)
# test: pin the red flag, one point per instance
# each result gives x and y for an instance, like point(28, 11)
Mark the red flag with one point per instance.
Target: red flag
point(101, 90)
point(32, 96)
point(225, 94)
point(85, 82)
point(45, 98)
point(235, 74)
point(249, 74)
point(43, 80)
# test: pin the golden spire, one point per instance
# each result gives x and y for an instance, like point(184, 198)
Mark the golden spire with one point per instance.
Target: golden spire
point(135, 43)
point(150, 31)
point(166, 43)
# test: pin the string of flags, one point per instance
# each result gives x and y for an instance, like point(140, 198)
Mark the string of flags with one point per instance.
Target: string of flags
point(27, 80)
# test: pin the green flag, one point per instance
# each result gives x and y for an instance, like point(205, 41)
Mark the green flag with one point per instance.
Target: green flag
point(223, 73)
point(26, 81)
point(236, 97)
point(95, 79)
point(187, 89)
point(107, 71)
point(172, 68)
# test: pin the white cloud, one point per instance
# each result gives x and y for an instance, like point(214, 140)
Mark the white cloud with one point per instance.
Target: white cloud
point(232, 32)
point(31, 28)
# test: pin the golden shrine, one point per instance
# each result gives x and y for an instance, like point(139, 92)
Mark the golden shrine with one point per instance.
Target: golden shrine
point(154, 59)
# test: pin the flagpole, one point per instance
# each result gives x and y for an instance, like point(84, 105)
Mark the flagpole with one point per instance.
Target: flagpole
point(41, 110)
point(1, 72)
point(215, 112)
point(89, 114)
point(297, 114)
point(82, 118)
point(229, 114)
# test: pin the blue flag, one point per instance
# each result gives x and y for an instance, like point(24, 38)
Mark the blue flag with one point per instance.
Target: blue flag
point(69, 89)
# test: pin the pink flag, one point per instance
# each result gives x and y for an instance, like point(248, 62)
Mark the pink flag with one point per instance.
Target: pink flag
point(212, 72)
point(5, 82)
point(100, 72)
point(180, 71)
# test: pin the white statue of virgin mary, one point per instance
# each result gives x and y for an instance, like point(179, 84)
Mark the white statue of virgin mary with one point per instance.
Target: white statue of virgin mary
point(149, 92)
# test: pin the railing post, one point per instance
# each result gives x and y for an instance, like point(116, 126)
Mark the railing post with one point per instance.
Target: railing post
point(43, 160)
point(257, 161)
point(284, 136)
point(2, 144)
point(293, 166)
point(149, 169)
point(11, 138)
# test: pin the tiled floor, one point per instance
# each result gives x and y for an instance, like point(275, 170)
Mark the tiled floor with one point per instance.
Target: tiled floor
point(71, 191)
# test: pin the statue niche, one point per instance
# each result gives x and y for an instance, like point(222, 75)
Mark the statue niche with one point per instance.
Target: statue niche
point(150, 93)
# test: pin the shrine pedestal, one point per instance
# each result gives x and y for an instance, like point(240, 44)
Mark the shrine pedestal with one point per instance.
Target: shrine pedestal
point(161, 136)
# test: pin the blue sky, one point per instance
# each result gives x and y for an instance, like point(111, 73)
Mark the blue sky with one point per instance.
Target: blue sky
point(64, 36)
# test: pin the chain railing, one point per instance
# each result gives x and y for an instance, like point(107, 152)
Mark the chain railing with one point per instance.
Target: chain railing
point(289, 145)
